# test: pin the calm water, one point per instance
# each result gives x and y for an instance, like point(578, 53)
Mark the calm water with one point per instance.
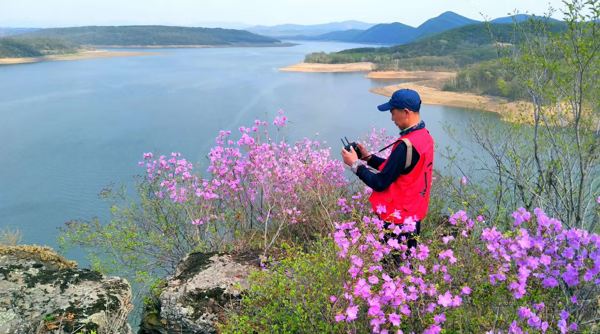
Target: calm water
point(68, 129)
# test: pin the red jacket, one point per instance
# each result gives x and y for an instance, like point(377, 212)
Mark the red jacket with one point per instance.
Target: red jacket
point(408, 196)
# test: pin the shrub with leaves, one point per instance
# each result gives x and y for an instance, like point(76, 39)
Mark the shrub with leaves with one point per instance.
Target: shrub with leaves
point(293, 295)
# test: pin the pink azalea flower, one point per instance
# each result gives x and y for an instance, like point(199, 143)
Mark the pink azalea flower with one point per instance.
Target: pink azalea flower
point(380, 209)
point(440, 318)
point(445, 300)
point(351, 313)
point(394, 319)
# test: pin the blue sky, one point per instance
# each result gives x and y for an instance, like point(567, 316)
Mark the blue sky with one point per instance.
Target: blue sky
point(53, 13)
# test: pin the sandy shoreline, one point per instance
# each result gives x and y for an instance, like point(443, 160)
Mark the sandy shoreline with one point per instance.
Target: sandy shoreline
point(429, 86)
point(329, 68)
point(79, 56)
point(434, 96)
point(425, 75)
point(239, 45)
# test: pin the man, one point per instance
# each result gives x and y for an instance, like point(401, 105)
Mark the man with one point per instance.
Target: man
point(401, 187)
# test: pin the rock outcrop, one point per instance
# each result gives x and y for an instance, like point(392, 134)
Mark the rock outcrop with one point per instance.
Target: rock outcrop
point(40, 292)
point(197, 294)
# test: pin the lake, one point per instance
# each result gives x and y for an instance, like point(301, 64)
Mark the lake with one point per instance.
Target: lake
point(68, 129)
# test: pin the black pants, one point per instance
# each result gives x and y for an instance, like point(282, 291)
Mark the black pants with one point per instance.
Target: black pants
point(410, 237)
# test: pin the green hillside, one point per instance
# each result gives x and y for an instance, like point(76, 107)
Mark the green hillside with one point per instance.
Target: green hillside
point(153, 36)
point(451, 49)
point(36, 47)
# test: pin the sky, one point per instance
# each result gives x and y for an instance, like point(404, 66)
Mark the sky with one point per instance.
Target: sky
point(62, 13)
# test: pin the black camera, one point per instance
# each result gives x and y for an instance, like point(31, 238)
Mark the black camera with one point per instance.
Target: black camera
point(349, 144)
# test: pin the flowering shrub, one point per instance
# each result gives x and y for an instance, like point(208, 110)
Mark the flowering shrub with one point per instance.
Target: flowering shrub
point(468, 276)
point(538, 278)
point(255, 184)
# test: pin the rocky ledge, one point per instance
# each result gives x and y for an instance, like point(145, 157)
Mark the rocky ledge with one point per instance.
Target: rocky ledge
point(40, 292)
point(196, 296)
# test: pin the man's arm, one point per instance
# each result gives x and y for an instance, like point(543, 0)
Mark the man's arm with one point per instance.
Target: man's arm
point(375, 161)
point(392, 170)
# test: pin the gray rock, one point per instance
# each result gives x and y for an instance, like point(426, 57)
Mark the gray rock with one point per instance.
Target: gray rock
point(197, 294)
point(40, 291)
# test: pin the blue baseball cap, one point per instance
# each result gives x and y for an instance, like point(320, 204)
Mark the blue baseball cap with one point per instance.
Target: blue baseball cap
point(403, 98)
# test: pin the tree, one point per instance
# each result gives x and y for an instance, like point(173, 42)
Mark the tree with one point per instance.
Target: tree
point(547, 156)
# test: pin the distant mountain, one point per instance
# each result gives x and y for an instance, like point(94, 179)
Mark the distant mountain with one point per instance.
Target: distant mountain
point(344, 35)
point(287, 30)
point(14, 31)
point(444, 43)
point(397, 33)
point(391, 33)
point(518, 18)
point(444, 22)
point(454, 48)
point(152, 36)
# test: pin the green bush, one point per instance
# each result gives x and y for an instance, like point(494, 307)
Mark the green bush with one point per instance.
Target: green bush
point(293, 295)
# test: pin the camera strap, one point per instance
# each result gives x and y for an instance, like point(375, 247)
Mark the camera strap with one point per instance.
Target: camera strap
point(383, 149)
point(408, 151)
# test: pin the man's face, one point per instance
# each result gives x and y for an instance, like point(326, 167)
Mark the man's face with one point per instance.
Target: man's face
point(399, 117)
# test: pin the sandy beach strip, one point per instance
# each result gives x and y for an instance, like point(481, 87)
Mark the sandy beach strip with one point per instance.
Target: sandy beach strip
point(434, 96)
point(329, 68)
point(152, 46)
point(425, 75)
point(78, 56)
point(429, 86)
point(186, 46)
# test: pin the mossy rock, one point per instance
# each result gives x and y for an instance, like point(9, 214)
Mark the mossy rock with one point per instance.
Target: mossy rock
point(43, 292)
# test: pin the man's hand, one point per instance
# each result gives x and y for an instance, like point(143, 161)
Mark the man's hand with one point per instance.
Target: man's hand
point(363, 152)
point(349, 157)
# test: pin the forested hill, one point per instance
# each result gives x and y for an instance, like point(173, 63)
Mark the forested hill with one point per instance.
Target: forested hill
point(36, 47)
point(4, 32)
point(153, 36)
point(450, 49)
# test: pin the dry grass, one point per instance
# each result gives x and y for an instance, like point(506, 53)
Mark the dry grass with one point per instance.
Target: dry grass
point(10, 237)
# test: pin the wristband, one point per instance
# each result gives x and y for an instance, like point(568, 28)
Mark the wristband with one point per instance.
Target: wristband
point(357, 164)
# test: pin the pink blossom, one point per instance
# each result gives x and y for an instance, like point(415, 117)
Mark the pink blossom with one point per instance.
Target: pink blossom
point(351, 313)
point(446, 299)
point(394, 319)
